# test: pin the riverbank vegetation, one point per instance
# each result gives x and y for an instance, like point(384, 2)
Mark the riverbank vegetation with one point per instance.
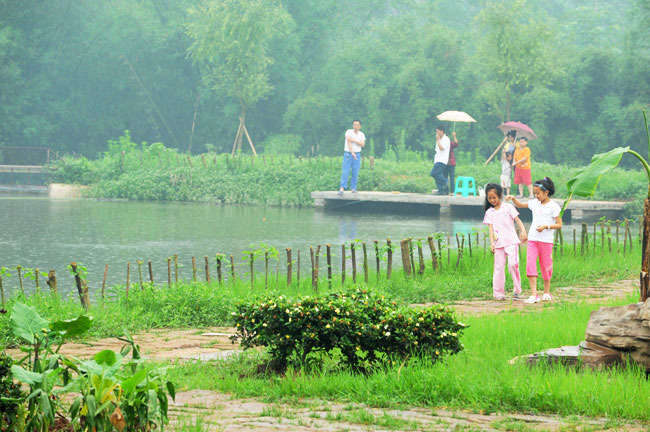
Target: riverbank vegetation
point(154, 172)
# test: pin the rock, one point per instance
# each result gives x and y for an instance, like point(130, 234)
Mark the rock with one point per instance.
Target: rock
point(567, 355)
point(597, 356)
point(624, 329)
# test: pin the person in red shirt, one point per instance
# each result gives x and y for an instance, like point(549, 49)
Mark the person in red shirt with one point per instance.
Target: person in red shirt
point(451, 165)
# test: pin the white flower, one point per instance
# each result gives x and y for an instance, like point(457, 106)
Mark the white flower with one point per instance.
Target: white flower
point(387, 334)
point(264, 325)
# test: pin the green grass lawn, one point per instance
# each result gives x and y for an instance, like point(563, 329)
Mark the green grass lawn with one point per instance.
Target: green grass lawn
point(480, 378)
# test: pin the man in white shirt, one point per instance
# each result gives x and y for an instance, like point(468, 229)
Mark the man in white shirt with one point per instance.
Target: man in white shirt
point(439, 170)
point(354, 142)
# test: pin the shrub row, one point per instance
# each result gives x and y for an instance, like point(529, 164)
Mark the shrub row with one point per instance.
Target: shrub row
point(365, 326)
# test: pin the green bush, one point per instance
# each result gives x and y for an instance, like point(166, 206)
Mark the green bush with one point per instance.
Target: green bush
point(11, 396)
point(365, 326)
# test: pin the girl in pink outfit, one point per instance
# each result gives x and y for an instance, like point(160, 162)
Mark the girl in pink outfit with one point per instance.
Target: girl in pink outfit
point(546, 217)
point(501, 217)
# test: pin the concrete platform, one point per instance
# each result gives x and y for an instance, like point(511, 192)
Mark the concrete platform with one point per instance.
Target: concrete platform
point(449, 205)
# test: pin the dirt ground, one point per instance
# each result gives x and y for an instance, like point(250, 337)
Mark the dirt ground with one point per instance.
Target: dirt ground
point(220, 412)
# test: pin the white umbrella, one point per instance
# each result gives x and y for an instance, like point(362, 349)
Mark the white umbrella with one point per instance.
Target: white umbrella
point(456, 116)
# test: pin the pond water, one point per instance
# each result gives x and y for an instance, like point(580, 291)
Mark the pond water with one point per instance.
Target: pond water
point(50, 234)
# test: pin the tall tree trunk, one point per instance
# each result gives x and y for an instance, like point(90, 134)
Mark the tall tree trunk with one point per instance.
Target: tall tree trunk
point(645, 256)
point(242, 119)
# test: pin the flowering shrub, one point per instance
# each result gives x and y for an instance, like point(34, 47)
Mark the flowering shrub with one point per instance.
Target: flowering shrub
point(365, 326)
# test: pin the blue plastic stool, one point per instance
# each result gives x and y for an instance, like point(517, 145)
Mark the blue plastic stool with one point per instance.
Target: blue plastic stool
point(466, 186)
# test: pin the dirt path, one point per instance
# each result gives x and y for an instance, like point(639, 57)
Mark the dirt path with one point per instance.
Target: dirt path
point(219, 412)
point(592, 294)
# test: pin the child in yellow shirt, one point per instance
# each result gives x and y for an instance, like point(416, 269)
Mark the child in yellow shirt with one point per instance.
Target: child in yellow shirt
point(521, 162)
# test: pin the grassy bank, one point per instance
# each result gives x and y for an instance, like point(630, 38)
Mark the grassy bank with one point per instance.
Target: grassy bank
point(198, 304)
point(479, 378)
point(153, 172)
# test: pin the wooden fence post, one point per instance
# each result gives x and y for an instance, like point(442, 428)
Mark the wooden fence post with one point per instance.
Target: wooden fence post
point(289, 267)
point(232, 268)
point(251, 262)
point(104, 280)
point(219, 269)
point(420, 257)
point(175, 268)
point(317, 267)
point(51, 282)
point(584, 243)
point(365, 262)
point(389, 259)
point(353, 253)
point(140, 274)
point(82, 288)
point(266, 267)
point(377, 258)
point(207, 269)
point(298, 268)
point(169, 272)
point(128, 278)
point(410, 243)
point(406, 262)
point(150, 272)
point(193, 269)
point(20, 279)
point(432, 248)
point(2, 293)
point(328, 251)
point(343, 264)
point(313, 266)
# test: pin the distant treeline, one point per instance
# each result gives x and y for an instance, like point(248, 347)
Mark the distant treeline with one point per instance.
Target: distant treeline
point(74, 74)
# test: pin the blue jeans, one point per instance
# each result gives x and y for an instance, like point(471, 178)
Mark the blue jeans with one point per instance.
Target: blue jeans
point(439, 174)
point(350, 164)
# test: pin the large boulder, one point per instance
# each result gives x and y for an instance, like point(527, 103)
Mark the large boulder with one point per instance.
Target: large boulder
point(613, 334)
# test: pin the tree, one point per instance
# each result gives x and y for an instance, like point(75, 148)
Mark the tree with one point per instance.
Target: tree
point(231, 43)
point(514, 50)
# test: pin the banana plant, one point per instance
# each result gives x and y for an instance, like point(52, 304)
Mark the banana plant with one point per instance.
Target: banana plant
point(585, 182)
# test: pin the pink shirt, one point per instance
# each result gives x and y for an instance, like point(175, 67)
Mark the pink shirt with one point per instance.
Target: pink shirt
point(503, 224)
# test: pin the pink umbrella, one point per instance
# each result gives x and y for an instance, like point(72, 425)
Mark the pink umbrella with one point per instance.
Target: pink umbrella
point(521, 129)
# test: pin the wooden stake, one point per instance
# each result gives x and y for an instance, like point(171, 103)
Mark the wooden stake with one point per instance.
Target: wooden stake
point(150, 272)
point(289, 267)
point(469, 243)
point(219, 270)
point(313, 268)
point(584, 243)
point(377, 258)
point(440, 252)
point(298, 269)
point(251, 262)
point(459, 254)
point(625, 233)
point(602, 236)
point(328, 252)
point(266, 270)
point(128, 278)
point(317, 268)
point(389, 259)
point(175, 268)
point(420, 257)
point(193, 269)
point(169, 272)
point(140, 274)
point(609, 239)
point(104, 280)
point(406, 263)
point(2, 293)
point(51, 282)
point(36, 281)
point(353, 252)
point(207, 269)
point(410, 243)
point(232, 268)
point(432, 248)
point(365, 262)
point(343, 264)
point(20, 279)
point(448, 250)
point(82, 288)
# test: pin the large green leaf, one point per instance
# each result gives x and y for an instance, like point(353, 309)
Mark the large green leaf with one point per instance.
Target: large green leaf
point(26, 322)
point(585, 182)
point(73, 327)
point(129, 384)
point(25, 376)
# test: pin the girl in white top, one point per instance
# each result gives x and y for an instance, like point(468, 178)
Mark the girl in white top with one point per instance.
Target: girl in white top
point(546, 217)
